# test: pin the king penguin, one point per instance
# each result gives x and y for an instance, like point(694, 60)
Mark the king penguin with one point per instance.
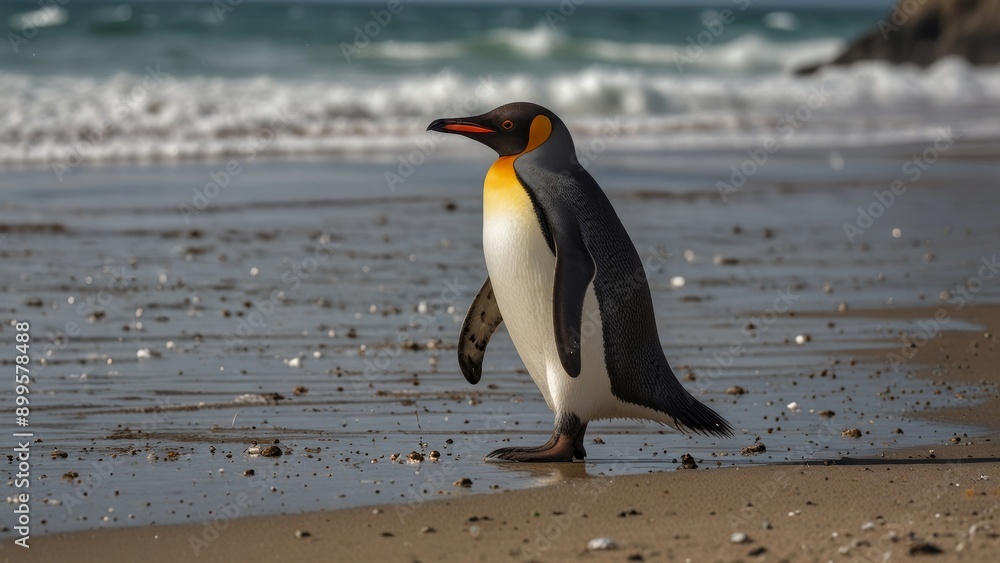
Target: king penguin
point(566, 278)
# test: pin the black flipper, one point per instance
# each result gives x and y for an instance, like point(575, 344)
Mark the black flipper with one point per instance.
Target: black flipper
point(480, 323)
point(574, 272)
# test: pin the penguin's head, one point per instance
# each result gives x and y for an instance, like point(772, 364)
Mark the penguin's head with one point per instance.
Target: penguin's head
point(509, 129)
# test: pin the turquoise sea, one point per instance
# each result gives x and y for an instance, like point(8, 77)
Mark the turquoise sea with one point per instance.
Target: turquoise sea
point(161, 81)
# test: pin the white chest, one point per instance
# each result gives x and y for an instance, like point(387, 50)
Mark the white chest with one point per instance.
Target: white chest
point(522, 269)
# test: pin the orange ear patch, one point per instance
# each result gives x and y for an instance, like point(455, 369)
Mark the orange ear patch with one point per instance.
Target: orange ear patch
point(540, 130)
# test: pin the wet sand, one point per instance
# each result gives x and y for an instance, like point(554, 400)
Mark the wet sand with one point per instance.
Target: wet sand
point(941, 500)
point(323, 315)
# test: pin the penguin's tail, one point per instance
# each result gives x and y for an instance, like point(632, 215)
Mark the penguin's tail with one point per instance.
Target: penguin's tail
point(688, 413)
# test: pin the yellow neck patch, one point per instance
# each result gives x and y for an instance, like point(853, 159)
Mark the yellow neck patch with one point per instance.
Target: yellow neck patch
point(502, 187)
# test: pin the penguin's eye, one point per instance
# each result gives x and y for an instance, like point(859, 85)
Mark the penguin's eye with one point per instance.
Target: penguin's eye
point(507, 124)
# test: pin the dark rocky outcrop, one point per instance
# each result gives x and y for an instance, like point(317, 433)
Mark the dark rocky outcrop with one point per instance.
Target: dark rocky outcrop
point(923, 31)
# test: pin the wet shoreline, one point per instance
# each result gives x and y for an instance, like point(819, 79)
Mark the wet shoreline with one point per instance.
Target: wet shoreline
point(311, 306)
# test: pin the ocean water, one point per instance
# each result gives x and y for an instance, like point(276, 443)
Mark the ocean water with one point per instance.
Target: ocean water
point(89, 82)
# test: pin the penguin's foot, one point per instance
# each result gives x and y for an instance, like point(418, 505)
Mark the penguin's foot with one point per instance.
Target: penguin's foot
point(560, 447)
point(566, 444)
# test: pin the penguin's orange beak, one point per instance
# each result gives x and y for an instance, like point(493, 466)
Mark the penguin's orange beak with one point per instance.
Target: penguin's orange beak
point(457, 126)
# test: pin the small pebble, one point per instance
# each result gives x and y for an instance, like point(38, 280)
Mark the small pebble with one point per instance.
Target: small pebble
point(600, 544)
point(57, 454)
point(739, 537)
point(851, 433)
point(736, 390)
point(464, 482)
point(802, 338)
point(687, 462)
point(299, 534)
point(270, 451)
